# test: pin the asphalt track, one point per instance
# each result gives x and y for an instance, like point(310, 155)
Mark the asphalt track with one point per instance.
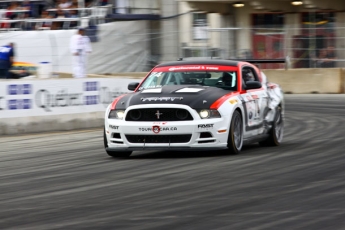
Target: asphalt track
point(66, 181)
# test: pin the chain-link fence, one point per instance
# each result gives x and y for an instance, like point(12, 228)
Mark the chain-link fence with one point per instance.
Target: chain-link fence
point(306, 47)
point(138, 46)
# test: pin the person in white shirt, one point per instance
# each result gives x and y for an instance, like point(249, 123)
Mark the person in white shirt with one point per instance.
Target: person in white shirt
point(80, 47)
point(64, 4)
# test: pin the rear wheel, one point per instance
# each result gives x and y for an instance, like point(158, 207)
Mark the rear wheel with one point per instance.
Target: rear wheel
point(277, 131)
point(235, 138)
point(112, 153)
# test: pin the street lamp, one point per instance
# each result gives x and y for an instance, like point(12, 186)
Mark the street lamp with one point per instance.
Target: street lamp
point(238, 4)
point(297, 3)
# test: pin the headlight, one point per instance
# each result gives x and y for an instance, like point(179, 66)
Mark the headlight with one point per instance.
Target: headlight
point(208, 113)
point(116, 114)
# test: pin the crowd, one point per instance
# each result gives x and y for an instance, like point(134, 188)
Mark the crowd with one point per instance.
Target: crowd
point(18, 14)
point(326, 58)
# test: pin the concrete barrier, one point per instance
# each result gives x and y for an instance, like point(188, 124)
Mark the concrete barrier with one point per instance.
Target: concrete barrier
point(308, 80)
point(35, 124)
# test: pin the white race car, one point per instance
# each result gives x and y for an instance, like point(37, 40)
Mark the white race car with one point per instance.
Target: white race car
point(196, 105)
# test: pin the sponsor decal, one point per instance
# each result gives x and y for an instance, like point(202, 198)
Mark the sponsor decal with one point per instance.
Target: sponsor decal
point(193, 68)
point(2, 100)
point(91, 100)
point(19, 104)
point(20, 89)
point(189, 90)
point(14, 90)
point(233, 101)
point(153, 88)
point(255, 97)
point(159, 123)
point(161, 98)
point(113, 127)
point(250, 115)
point(91, 86)
point(204, 126)
point(157, 129)
point(106, 95)
point(46, 100)
point(91, 91)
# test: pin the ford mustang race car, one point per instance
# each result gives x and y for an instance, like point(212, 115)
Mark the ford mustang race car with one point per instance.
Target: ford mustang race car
point(196, 105)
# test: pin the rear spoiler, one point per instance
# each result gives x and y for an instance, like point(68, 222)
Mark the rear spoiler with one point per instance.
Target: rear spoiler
point(286, 61)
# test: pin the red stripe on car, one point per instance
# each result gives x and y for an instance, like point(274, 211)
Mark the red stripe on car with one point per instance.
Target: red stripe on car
point(113, 104)
point(221, 100)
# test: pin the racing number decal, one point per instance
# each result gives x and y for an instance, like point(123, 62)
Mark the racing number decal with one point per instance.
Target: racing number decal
point(253, 109)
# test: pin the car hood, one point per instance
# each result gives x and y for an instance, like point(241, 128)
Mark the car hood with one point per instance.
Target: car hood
point(197, 97)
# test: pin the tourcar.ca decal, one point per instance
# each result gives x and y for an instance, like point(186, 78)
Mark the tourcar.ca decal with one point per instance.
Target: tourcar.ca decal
point(157, 129)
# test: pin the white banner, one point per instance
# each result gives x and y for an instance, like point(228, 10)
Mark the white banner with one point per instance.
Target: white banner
point(121, 47)
point(55, 97)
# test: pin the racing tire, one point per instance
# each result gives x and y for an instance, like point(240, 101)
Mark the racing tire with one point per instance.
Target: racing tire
point(112, 153)
point(276, 133)
point(235, 138)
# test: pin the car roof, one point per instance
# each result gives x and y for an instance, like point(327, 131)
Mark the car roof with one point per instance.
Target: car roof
point(201, 62)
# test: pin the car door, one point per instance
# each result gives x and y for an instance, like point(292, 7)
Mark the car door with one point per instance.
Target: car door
point(255, 102)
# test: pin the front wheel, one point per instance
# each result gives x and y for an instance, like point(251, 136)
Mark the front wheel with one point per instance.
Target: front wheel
point(114, 154)
point(235, 138)
point(277, 131)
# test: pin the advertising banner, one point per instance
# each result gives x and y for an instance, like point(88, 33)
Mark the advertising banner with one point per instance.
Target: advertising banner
point(55, 97)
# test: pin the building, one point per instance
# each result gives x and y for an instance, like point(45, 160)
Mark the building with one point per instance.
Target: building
point(306, 31)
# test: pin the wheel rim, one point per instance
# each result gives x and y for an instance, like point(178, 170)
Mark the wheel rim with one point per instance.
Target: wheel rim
point(279, 127)
point(238, 132)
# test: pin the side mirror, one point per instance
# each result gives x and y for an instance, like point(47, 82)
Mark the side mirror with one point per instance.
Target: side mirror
point(132, 86)
point(253, 85)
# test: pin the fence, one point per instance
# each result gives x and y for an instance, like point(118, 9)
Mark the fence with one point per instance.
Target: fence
point(137, 46)
point(312, 47)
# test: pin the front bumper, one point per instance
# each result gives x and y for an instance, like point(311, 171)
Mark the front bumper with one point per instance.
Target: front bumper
point(205, 134)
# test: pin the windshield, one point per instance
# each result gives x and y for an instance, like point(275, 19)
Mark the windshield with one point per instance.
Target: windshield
point(225, 80)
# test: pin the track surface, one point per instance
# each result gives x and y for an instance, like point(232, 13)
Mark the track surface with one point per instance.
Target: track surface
point(66, 181)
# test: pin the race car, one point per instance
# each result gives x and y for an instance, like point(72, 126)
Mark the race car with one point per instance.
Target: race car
point(194, 106)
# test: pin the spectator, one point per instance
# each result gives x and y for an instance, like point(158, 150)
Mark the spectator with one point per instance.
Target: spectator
point(321, 60)
point(73, 14)
point(6, 59)
point(45, 24)
point(58, 25)
point(60, 14)
point(13, 6)
point(331, 56)
point(27, 5)
point(80, 47)
point(64, 4)
point(75, 4)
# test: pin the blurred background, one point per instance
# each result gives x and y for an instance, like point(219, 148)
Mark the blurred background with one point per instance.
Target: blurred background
point(135, 35)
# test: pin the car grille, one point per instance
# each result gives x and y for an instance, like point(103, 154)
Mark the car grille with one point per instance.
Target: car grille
point(184, 138)
point(161, 114)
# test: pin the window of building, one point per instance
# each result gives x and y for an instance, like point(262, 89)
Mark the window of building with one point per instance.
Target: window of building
point(268, 20)
point(200, 26)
